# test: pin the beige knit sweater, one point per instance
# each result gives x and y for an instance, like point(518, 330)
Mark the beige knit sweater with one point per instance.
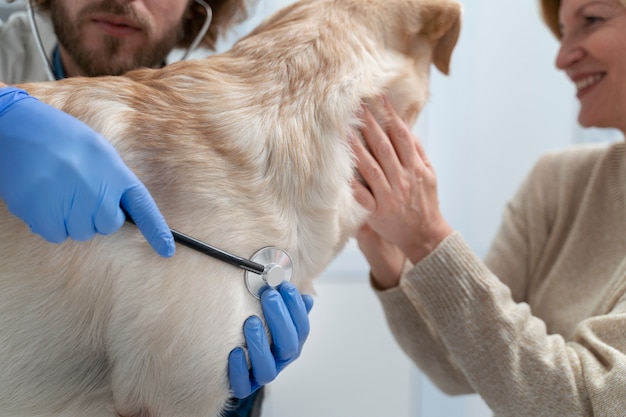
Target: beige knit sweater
point(539, 327)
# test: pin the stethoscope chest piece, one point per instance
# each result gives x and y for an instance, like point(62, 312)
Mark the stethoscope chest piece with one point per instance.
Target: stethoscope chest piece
point(278, 268)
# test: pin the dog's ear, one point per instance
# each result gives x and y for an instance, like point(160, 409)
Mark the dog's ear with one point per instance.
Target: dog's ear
point(442, 25)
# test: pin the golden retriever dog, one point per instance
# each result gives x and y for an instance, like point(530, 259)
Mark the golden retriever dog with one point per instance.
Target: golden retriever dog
point(243, 150)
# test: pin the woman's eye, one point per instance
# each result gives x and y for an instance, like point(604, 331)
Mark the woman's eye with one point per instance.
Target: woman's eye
point(592, 20)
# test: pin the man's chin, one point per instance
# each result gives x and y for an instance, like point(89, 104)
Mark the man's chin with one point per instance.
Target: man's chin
point(102, 67)
point(108, 55)
point(99, 64)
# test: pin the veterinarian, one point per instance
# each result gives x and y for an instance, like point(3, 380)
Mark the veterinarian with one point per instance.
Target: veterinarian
point(65, 180)
point(539, 327)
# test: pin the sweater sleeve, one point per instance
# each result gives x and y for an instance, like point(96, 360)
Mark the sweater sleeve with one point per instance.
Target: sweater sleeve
point(419, 337)
point(473, 329)
point(506, 353)
point(503, 350)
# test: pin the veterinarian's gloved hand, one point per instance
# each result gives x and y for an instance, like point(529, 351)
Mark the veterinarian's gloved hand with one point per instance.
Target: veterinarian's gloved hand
point(63, 179)
point(286, 314)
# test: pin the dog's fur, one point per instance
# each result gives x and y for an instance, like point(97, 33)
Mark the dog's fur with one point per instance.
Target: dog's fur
point(243, 150)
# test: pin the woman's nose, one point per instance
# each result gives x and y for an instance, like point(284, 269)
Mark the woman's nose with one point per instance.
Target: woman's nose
point(569, 53)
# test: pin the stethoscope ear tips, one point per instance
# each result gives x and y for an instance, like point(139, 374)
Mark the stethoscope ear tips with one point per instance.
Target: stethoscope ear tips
point(278, 268)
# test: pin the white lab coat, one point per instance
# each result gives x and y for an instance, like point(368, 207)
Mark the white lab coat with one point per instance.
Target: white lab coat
point(19, 57)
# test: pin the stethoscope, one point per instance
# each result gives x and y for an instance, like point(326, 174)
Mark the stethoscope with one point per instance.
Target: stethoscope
point(269, 266)
point(49, 67)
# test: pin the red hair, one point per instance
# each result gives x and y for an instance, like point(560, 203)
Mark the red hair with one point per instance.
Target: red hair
point(550, 14)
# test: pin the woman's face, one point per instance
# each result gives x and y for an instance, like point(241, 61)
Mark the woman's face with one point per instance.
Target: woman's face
point(593, 54)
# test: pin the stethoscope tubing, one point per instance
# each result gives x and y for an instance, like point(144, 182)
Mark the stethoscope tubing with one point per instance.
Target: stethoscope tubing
point(217, 253)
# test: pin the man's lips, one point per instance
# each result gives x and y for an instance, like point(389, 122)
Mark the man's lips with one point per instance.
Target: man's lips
point(116, 26)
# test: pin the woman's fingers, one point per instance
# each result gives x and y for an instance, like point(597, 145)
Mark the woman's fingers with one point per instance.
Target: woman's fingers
point(409, 148)
point(381, 148)
point(370, 172)
point(402, 139)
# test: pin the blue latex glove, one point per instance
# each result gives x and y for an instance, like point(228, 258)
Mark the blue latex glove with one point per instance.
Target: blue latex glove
point(63, 179)
point(286, 314)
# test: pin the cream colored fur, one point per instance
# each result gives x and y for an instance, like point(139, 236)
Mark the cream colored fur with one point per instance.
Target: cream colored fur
point(243, 150)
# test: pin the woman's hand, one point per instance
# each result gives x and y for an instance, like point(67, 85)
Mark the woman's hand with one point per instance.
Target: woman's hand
point(401, 195)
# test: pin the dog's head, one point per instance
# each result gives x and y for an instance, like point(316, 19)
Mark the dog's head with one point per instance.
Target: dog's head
point(420, 32)
point(400, 38)
point(404, 24)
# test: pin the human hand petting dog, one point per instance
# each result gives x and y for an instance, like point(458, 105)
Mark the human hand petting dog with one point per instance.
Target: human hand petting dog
point(401, 196)
point(286, 314)
point(65, 180)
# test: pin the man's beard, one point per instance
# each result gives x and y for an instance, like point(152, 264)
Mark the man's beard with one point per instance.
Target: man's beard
point(109, 60)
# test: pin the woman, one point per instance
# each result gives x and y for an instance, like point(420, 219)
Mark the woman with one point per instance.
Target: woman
point(539, 327)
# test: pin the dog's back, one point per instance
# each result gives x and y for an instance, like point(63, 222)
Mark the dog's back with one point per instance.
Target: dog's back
point(244, 150)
